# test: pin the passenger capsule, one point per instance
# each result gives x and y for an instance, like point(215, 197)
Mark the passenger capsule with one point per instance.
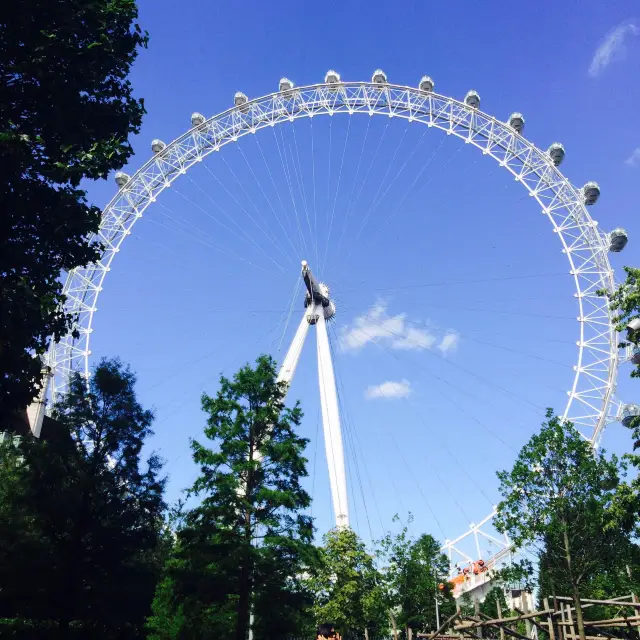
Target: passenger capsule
point(157, 146)
point(591, 192)
point(121, 178)
point(379, 77)
point(634, 325)
point(472, 99)
point(332, 77)
point(516, 122)
point(240, 100)
point(285, 85)
point(556, 153)
point(197, 119)
point(635, 355)
point(426, 84)
point(629, 412)
point(618, 239)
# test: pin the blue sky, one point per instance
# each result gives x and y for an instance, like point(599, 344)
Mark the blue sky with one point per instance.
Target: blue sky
point(464, 302)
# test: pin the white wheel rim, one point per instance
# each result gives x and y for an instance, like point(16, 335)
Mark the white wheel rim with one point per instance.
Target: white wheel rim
point(586, 248)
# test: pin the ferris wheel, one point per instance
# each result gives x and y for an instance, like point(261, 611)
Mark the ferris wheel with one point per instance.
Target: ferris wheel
point(590, 400)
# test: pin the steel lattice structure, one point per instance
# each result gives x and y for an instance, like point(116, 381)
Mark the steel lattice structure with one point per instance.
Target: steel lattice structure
point(590, 400)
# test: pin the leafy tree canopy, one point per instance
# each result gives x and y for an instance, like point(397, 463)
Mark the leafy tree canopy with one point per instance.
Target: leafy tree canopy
point(348, 588)
point(561, 495)
point(413, 570)
point(81, 516)
point(66, 111)
point(248, 541)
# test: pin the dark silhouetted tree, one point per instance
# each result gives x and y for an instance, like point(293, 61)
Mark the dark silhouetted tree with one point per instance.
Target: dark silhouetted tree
point(66, 111)
point(81, 517)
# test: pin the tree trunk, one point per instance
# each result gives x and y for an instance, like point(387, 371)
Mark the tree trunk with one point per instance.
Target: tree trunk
point(574, 585)
point(393, 625)
point(244, 592)
point(366, 633)
point(244, 595)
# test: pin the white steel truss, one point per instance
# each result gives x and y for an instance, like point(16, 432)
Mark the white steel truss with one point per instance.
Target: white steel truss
point(585, 246)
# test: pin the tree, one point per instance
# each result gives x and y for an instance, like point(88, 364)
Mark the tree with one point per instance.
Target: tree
point(348, 588)
point(66, 111)
point(413, 571)
point(81, 518)
point(248, 536)
point(559, 495)
point(625, 301)
point(616, 578)
point(494, 604)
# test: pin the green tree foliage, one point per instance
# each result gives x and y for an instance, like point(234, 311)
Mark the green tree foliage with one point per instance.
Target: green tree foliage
point(615, 579)
point(560, 495)
point(348, 588)
point(413, 570)
point(626, 303)
point(248, 540)
point(489, 607)
point(81, 517)
point(66, 111)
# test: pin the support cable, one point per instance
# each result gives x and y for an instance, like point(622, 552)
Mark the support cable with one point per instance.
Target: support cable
point(285, 169)
point(211, 245)
point(335, 199)
point(273, 182)
point(354, 436)
point(248, 238)
point(296, 290)
point(353, 188)
point(313, 180)
point(302, 183)
point(474, 483)
point(267, 233)
point(266, 197)
point(242, 208)
point(374, 201)
point(537, 408)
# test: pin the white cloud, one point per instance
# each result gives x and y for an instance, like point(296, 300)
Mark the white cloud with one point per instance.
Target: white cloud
point(612, 48)
point(395, 332)
point(449, 342)
point(634, 159)
point(389, 389)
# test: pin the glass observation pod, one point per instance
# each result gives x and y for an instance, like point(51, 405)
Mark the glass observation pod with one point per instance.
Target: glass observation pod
point(618, 239)
point(240, 100)
point(556, 153)
point(472, 99)
point(629, 412)
point(516, 122)
point(157, 146)
point(426, 84)
point(591, 192)
point(197, 119)
point(379, 77)
point(285, 86)
point(121, 178)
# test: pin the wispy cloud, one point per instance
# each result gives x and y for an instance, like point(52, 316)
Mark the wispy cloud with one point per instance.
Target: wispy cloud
point(389, 389)
point(613, 47)
point(449, 342)
point(634, 159)
point(394, 331)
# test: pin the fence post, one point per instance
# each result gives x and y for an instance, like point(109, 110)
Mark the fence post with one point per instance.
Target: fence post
point(550, 625)
point(476, 605)
point(500, 616)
